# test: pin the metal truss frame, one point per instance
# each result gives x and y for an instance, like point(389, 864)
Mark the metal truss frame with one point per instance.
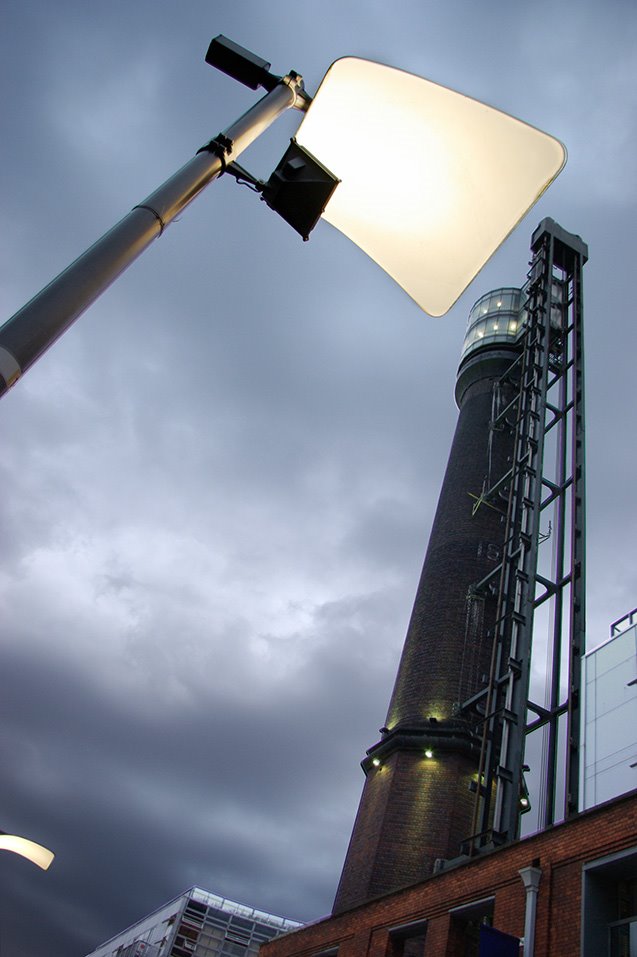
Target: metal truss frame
point(543, 497)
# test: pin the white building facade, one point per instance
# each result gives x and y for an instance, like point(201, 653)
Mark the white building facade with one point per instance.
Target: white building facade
point(197, 924)
point(609, 740)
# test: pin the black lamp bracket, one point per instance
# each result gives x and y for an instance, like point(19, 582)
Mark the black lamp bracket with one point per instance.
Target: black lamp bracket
point(244, 177)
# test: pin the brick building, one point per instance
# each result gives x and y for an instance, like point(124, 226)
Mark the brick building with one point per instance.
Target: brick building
point(585, 872)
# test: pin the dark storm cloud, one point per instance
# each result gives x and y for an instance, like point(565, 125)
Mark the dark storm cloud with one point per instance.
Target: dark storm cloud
point(217, 487)
point(142, 755)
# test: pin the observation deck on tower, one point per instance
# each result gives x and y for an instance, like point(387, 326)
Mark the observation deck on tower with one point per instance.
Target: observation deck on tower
point(495, 319)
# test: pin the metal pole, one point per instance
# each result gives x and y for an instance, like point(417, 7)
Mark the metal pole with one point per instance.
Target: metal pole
point(35, 327)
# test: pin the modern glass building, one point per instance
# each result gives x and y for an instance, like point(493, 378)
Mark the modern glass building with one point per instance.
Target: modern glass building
point(197, 924)
point(609, 748)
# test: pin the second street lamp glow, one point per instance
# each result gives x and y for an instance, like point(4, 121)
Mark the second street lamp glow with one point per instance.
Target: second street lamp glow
point(33, 852)
point(432, 181)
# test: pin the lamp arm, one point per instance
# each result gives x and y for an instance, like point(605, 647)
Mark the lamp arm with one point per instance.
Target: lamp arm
point(36, 326)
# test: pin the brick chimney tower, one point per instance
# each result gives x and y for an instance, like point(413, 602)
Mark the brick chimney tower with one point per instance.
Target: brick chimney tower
point(418, 798)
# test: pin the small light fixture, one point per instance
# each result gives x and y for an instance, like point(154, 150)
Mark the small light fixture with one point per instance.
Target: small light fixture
point(376, 762)
point(525, 800)
point(429, 753)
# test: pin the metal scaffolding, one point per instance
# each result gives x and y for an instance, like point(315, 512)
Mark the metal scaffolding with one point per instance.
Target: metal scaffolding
point(539, 579)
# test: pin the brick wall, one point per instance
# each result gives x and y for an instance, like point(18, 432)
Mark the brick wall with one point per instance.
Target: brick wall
point(559, 852)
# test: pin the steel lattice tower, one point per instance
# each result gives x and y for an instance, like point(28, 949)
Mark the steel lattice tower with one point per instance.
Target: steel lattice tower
point(446, 777)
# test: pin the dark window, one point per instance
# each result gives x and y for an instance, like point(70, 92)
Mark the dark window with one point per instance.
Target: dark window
point(465, 926)
point(184, 943)
point(233, 950)
point(196, 920)
point(196, 906)
point(219, 914)
point(609, 923)
point(408, 940)
point(623, 939)
point(238, 938)
point(627, 898)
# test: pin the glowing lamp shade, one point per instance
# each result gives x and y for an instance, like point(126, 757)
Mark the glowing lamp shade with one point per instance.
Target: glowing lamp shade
point(35, 853)
point(432, 181)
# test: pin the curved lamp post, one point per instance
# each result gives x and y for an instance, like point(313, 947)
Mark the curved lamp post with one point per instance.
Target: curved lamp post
point(427, 181)
point(33, 852)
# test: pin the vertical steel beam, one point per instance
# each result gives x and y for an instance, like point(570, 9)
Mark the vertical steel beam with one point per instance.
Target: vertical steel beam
point(551, 397)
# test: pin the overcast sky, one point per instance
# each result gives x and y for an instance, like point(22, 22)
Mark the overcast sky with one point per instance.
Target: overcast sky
point(217, 488)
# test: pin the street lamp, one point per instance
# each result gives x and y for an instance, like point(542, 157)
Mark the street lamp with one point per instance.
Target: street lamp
point(426, 181)
point(432, 182)
point(33, 852)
